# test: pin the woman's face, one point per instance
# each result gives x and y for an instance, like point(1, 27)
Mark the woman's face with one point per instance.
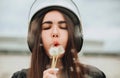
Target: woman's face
point(54, 30)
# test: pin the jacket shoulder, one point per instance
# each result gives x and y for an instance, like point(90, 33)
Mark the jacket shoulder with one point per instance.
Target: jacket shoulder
point(20, 74)
point(93, 72)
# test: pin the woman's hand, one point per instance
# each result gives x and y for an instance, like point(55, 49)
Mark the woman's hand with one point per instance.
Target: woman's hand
point(50, 73)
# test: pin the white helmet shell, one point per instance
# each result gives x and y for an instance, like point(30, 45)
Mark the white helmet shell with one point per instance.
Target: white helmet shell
point(41, 4)
point(66, 6)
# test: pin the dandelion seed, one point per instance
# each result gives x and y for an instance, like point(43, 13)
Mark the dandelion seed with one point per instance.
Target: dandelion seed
point(72, 50)
point(41, 44)
point(71, 69)
point(73, 59)
point(55, 51)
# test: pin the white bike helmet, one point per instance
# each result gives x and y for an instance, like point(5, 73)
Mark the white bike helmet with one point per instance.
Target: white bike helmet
point(66, 6)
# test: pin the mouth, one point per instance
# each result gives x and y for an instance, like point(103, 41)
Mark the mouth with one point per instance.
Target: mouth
point(56, 43)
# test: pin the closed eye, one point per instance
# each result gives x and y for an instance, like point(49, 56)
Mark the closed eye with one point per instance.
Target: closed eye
point(46, 25)
point(63, 24)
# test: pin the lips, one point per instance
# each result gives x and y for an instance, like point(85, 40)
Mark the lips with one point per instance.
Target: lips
point(56, 43)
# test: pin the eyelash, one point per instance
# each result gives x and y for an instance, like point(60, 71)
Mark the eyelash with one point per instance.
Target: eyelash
point(47, 28)
point(64, 28)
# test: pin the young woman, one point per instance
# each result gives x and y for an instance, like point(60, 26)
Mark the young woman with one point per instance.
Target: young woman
point(51, 24)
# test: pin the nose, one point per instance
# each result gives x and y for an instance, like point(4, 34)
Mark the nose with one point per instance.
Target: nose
point(55, 33)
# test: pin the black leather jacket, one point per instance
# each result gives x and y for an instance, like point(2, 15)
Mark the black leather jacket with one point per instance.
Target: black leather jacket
point(90, 72)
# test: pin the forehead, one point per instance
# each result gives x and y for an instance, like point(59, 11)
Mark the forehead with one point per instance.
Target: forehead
point(54, 16)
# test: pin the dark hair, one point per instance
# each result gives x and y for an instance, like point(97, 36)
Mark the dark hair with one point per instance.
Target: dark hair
point(40, 60)
point(75, 20)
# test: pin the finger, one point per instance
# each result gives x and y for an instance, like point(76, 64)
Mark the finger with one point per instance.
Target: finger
point(48, 73)
point(52, 76)
point(51, 71)
point(49, 76)
point(45, 75)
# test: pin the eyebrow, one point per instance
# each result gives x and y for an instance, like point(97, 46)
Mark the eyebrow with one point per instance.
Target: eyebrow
point(61, 22)
point(50, 22)
point(47, 22)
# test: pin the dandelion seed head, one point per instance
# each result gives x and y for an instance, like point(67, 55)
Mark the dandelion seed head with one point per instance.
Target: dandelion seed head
point(55, 51)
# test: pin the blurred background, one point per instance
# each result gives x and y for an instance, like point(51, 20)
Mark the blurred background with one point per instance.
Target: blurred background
point(101, 30)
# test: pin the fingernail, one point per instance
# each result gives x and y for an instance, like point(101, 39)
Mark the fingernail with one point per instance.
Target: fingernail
point(56, 69)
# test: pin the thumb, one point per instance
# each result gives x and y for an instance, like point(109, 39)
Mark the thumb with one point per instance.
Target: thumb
point(56, 70)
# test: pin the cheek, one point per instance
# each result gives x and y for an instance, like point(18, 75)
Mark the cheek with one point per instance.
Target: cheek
point(46, 40)
point(64, 38)
point(44, 37)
